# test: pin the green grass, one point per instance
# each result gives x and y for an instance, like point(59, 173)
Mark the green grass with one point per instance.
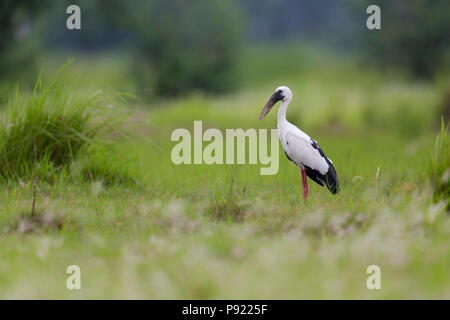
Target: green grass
point(224, 231)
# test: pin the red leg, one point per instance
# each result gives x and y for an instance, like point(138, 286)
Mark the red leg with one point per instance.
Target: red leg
point(305, 184)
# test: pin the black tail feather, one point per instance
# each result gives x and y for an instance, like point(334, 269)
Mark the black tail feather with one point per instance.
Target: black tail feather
point(329, 178)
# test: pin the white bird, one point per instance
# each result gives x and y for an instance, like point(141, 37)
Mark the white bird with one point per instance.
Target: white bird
point(300, 149)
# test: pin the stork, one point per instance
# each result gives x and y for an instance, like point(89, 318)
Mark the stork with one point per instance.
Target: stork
point(300, 148)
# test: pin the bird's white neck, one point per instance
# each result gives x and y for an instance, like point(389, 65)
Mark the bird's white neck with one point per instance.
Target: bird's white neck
point(282, 113)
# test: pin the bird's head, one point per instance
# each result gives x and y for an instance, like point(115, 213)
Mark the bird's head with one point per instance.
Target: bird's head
point(282, 93)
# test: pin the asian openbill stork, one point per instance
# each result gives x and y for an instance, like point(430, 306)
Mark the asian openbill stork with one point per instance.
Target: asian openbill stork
point(300, 149)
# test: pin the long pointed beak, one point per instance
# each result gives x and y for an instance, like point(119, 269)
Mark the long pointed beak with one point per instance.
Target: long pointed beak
point(269, 105)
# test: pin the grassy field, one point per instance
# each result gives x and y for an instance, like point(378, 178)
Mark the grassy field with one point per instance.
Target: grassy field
point(225, 231)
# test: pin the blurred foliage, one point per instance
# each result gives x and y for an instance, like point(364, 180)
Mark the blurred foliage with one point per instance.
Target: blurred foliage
point(47, 130)
point(414, 34)
point(311, 20)
point(179, 46)
point(182, 46)
point(444, 107)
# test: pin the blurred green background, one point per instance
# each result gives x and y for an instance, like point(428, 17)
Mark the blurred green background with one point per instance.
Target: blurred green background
point(90, 146)
point(174, 47)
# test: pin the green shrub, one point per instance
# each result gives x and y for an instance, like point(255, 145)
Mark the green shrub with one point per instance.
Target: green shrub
point(439, 165)
point(47, 129)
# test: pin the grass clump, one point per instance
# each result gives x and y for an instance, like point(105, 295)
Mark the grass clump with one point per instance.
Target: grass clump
point(44, 132)
point(227, 209)
point(439, 165)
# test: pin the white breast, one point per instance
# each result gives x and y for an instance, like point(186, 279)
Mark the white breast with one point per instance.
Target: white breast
point(298, 146)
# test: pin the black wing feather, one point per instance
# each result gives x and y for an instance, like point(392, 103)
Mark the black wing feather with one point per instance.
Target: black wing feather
point(329, 178)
